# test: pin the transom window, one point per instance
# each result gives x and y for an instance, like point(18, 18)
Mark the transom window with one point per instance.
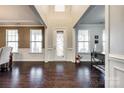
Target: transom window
point(36, 40)
point(59, 8)
point(83, 41)
point(12, 39)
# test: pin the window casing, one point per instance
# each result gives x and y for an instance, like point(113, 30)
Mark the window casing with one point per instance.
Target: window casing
point(12, 39)
point(36, 41)
point(103, 40)
point(83, 41)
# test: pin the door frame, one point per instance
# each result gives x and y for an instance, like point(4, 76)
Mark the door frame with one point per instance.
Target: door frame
point(54, 44)
point(107, 45)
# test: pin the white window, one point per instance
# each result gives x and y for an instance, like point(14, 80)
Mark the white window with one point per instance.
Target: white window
point(36, 40)
point(59, 8)
point(103, 40)
point(12, 39)
point(83, 41)
point(60, 43)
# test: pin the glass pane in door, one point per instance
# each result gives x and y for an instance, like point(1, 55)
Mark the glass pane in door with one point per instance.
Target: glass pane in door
point(60, 44)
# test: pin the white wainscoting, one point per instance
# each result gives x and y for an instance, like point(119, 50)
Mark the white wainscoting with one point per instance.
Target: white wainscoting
point(85, 57)
point(70, 54)
point(25, 55)
point(50, 55)
point(116, 73)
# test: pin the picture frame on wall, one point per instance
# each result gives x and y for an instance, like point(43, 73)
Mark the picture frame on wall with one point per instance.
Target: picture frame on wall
point(96, 37)
point(96, 41)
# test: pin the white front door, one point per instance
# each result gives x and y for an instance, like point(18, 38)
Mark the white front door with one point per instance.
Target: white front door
point(59, 45)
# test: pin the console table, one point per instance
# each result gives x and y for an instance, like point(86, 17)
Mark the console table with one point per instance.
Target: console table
point(98, 60)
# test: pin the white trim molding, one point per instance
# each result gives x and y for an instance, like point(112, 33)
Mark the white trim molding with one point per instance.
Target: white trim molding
point(116, 56)
point(22, 25)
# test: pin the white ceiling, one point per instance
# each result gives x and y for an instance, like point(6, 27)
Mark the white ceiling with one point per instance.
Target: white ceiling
point(19, 15)
point(70, 16)
point(37, 15)
point(94, 15)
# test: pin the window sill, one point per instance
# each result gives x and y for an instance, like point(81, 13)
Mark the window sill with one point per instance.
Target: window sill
point(35, 52)
point(83, 52)
point(15, 52)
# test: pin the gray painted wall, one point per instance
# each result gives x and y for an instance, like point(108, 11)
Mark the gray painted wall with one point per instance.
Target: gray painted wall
point(117, 30)
point(94, 29)
point(95, 14)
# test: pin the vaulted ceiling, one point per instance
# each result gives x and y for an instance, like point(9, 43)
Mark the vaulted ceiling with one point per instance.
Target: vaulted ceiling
point(72, 14)
point(19, 15)
point(95, 14)
point(40, 14)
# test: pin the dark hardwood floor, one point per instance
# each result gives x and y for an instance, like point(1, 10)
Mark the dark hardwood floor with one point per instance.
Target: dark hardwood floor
point(52, 74)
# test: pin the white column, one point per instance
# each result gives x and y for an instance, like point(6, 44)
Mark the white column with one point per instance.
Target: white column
point(46, 46)
point(107, 33)
point(74, 45)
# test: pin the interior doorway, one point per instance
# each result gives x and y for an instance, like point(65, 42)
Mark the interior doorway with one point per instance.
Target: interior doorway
point(91, 37)
point(59, 45)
